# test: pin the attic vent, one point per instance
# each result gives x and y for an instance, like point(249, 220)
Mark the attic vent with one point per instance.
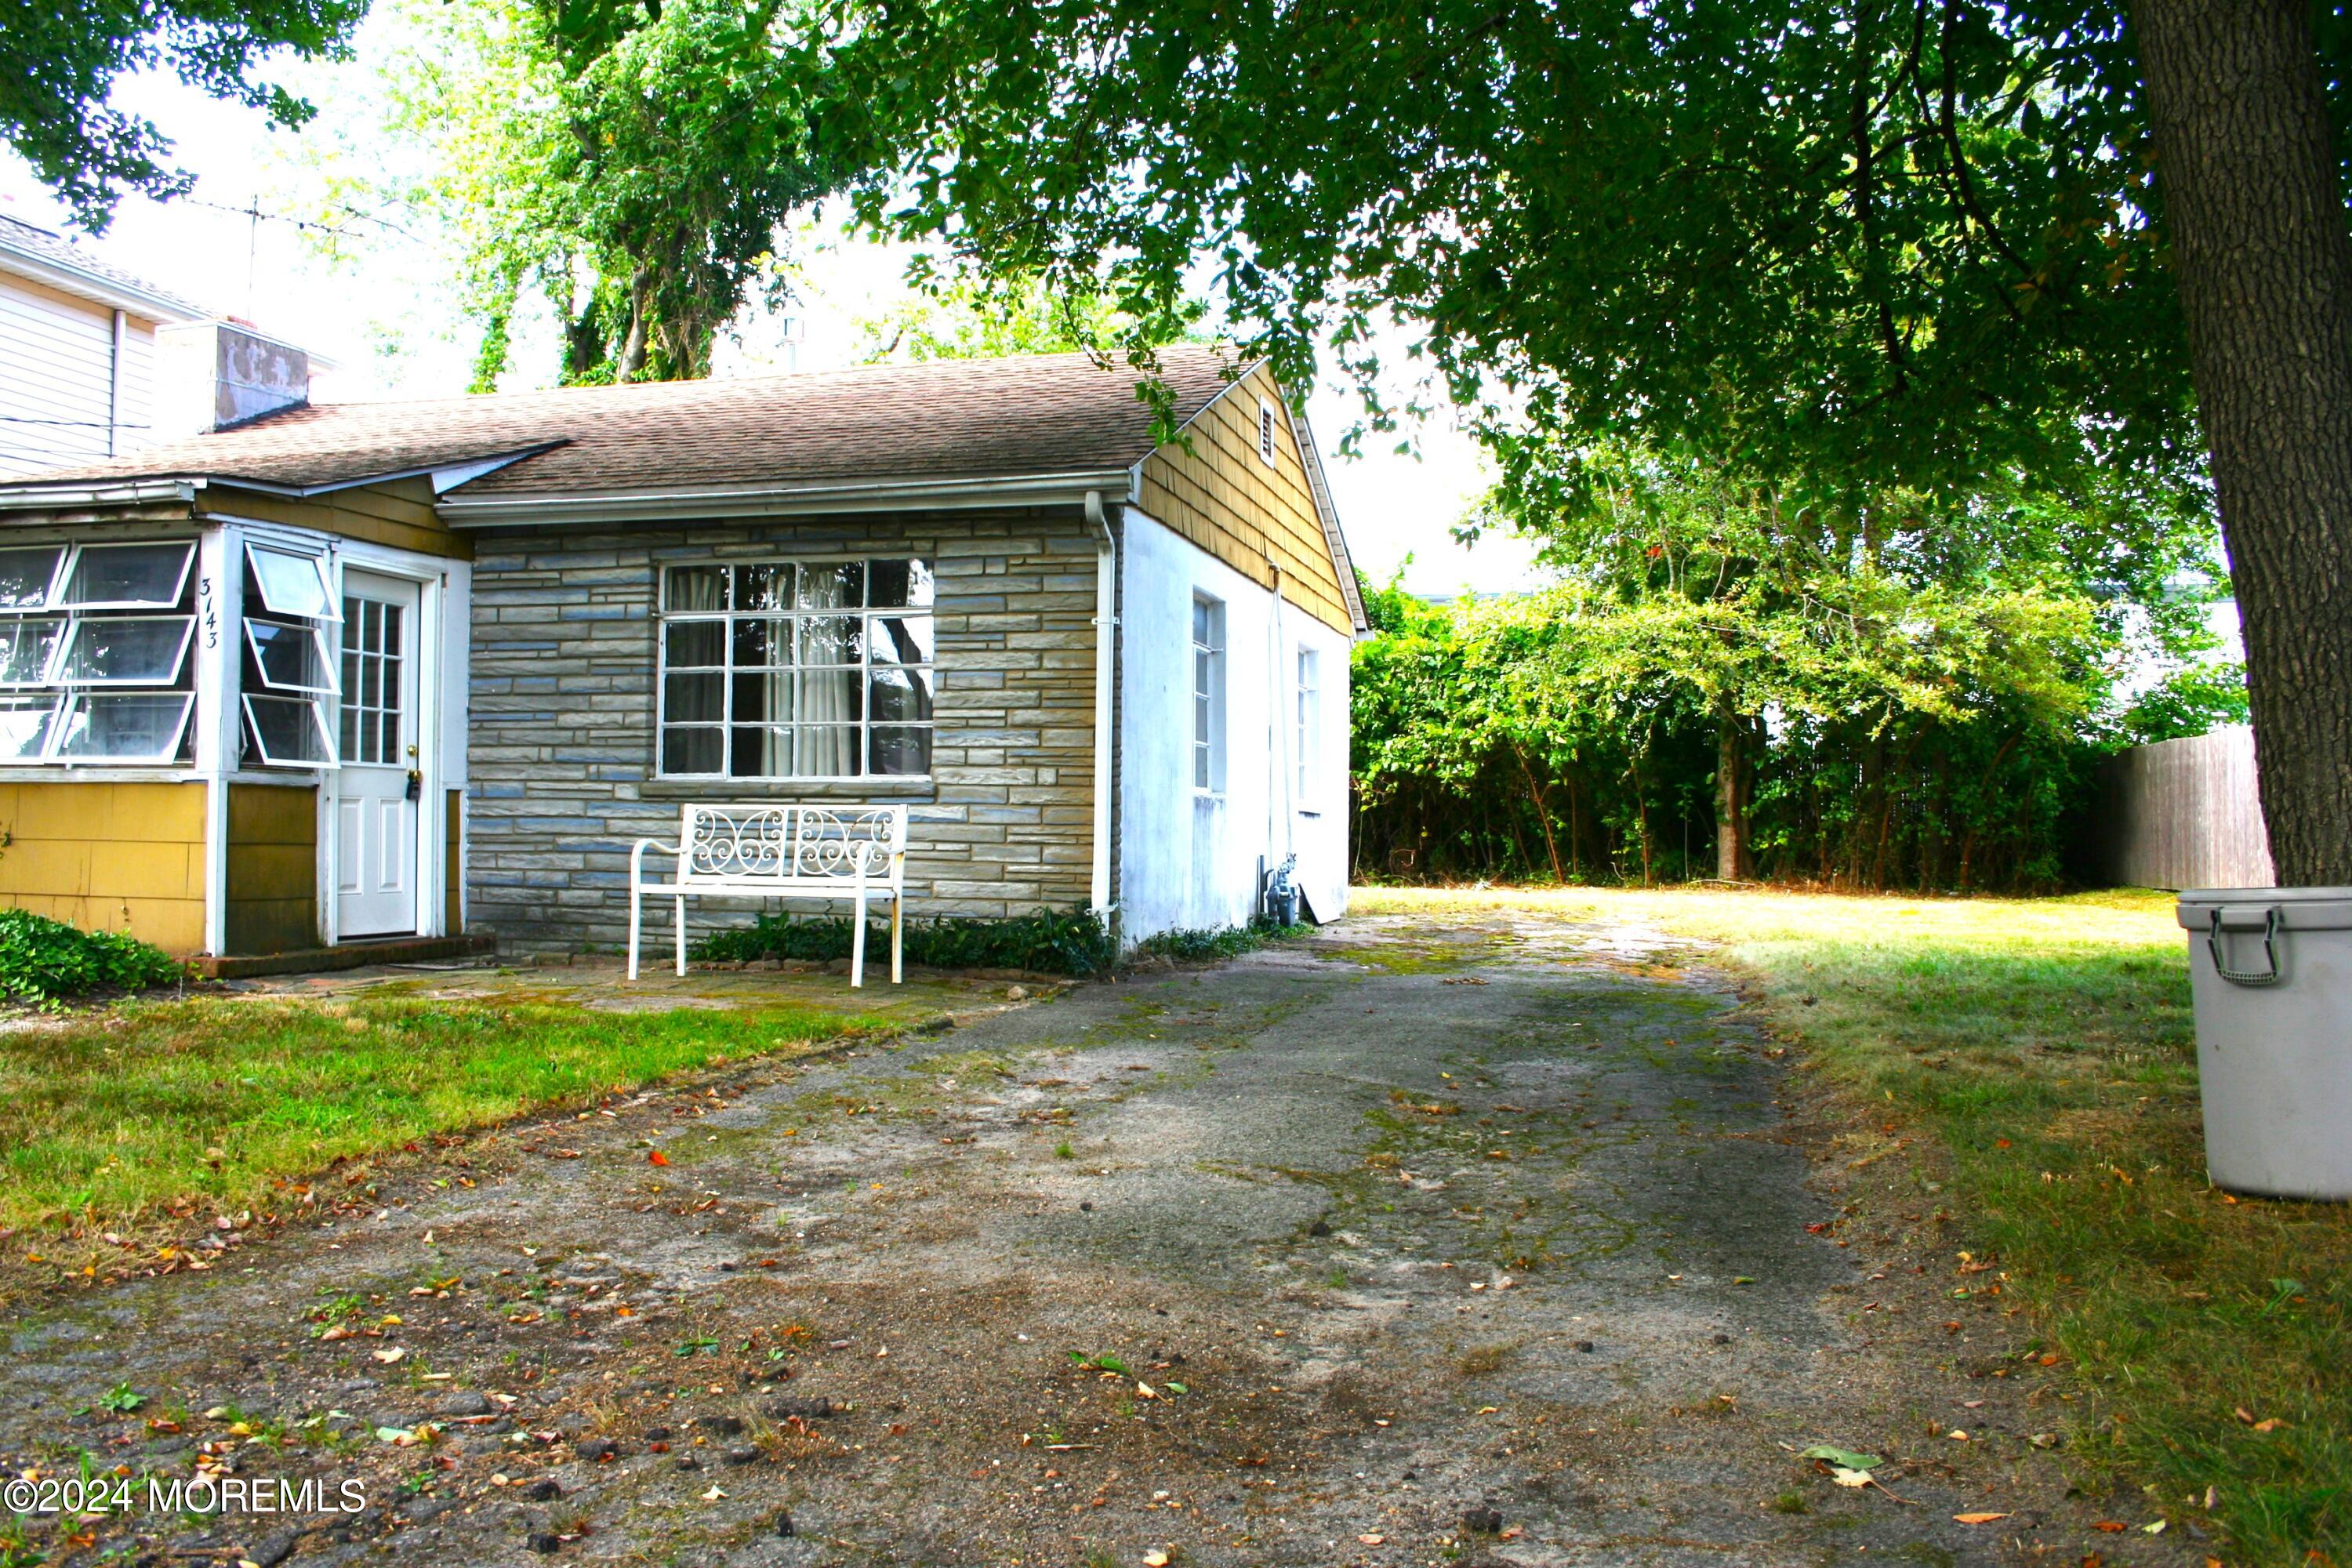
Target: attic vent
point(1265, 431)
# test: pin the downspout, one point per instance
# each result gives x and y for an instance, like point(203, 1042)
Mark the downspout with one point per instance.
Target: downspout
point(1106, 713)
point(1278, 741)
point(115, 387)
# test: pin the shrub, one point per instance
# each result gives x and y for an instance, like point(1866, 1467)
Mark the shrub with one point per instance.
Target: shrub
point(1224, 942)
point(42, 960)
point(1051, 942)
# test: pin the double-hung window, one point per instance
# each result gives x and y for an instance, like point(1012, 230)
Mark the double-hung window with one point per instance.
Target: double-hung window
point(1309, 725)
point(1208, 694)
point(94, 653)
point(287, 687)
point(796, 669)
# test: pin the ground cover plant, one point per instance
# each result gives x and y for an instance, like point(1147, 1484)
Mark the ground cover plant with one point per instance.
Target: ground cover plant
point(42, 960)
point(210, 1102)
point(2045, 1047)
point(1207, 944)
point(1054, 941)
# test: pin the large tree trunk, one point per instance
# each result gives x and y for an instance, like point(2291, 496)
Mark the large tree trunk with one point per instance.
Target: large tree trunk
point(2264, 259)
point(1730, 822)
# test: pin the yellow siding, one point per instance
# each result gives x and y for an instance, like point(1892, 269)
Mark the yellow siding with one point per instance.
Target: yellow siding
point(107, 856)
point(273, 868)
point(397, 513)
point(1254, 518)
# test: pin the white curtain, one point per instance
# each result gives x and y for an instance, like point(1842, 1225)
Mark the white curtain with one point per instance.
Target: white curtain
point(830, 697)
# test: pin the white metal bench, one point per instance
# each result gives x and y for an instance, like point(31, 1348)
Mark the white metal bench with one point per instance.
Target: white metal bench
point(782, 852)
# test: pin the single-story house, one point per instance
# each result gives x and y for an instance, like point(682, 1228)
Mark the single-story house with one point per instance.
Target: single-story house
point(352, 672)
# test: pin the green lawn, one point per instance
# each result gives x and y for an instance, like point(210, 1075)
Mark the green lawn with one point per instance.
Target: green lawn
point(2046, 1047)
point(211, 1101)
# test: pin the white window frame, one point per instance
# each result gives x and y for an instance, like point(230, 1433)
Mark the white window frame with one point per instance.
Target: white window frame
point(318, 645)
point(55, 587)
point(46, 678)
point(1207, 776)
point(1268, 425)
point(324, 701)
point(317, 723)
point(60, 599)
point(272, 609)
point(1308, 717)
point(725, 615)
point(63, 655)
point(63, 721)
point(68, 697)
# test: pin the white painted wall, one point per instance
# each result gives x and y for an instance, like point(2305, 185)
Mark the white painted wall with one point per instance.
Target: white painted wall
point(1189, 859)
point(56, 365)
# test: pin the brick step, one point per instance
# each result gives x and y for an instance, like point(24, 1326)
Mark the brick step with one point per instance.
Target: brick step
point(345, 955)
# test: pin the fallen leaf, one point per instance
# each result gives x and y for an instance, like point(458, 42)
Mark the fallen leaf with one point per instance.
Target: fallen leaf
point(2271, 1425)
point(2155, 1528)
point(2112, 1526)
point(1844, 1458)
point(388, 1357)
point(1372, 1540)
point(713, 1495)
point(656, 1158)
point(1846, 1477)
point(1155, 1558)
point(1977, 1518)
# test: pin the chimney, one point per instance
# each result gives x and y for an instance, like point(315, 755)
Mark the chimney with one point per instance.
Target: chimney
point(213, 375)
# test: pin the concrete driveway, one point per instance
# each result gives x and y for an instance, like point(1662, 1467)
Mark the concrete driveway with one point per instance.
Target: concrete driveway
point(1510, 1242)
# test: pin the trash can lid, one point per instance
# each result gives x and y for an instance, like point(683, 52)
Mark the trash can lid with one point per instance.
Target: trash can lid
point(2299, 909)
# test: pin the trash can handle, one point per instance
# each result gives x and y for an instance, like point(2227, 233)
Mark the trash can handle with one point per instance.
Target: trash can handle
point(2216, 943)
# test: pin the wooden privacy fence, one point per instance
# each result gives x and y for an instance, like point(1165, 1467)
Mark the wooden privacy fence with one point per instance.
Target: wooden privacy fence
point(2185, 813)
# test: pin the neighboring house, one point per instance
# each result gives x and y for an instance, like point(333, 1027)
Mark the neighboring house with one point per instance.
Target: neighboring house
point(76, 353)
point(373, 669)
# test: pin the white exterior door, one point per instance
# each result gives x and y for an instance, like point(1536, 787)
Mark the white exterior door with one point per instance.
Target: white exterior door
point(376, 817)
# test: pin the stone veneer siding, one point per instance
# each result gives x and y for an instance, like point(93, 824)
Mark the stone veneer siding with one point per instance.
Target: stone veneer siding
point(562, 748)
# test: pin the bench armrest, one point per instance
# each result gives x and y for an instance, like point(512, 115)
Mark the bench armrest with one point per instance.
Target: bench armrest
point(637, 854)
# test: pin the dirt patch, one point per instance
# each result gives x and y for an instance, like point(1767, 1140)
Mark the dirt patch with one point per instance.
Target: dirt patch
point(1501, 1245)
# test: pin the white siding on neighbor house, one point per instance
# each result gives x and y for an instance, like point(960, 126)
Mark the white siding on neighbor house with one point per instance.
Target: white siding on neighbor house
point(56, 369)
point(1190, 859)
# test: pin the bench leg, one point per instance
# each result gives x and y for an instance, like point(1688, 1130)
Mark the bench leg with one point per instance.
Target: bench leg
point(635, 905)
point(681, 935)
point(857, 945)
point(898, 938)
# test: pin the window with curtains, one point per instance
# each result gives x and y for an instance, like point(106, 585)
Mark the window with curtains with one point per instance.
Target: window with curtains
point(796, 669)
point(94, 653)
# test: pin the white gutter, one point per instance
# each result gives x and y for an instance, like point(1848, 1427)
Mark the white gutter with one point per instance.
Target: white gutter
point(461, 510)
point(120, 492)
point(146, 304)
point(1105, 712)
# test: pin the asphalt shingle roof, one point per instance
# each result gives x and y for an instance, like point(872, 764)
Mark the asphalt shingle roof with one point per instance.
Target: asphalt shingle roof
point(946, 419)
point(40, 245)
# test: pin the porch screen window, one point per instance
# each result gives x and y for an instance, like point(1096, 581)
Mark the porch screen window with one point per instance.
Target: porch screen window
point(94, 664)
point(288, 671)
point(797, 669)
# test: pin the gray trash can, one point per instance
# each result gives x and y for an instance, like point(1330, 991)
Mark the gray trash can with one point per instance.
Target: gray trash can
point(2271, 978)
